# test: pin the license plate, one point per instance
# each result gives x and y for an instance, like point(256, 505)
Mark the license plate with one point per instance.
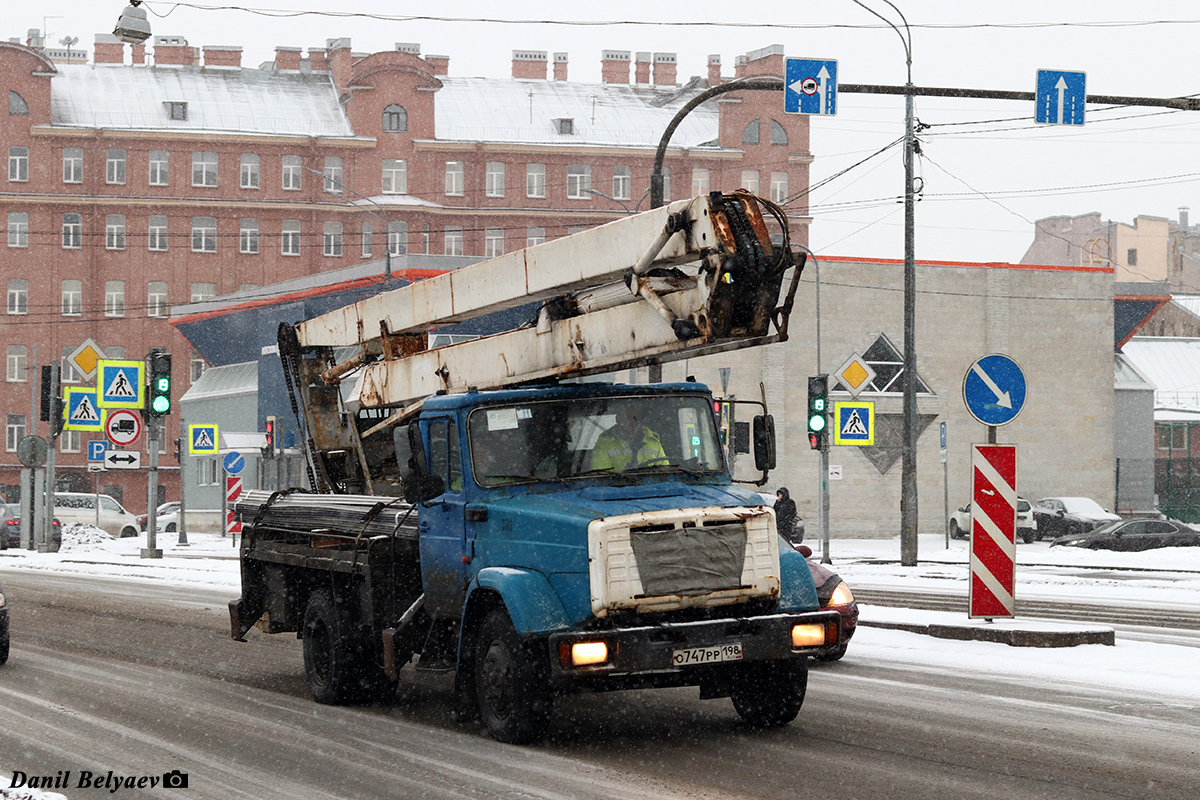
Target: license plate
point(707, 655)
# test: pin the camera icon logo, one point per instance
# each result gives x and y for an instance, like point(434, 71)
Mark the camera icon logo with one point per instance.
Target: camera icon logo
point(175, 780)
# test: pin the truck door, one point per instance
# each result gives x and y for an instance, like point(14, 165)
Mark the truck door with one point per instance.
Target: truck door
point(443, 532)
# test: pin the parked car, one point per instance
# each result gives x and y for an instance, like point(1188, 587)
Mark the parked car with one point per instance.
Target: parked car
point(166, 517)
point(10, 528)
point(80, 507)
point(1132, 535)
point(834, 595)
point(1065, 516)
point(3, 627)
point(1027, 527)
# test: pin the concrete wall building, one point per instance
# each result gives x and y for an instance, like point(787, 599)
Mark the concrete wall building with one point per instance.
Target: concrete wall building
point(1136, 252)
point(138, 181)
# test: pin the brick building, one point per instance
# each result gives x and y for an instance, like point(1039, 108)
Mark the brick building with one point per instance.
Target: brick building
point(138, 183)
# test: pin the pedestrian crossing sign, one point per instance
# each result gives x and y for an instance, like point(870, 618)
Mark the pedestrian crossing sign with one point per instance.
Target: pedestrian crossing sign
point(121, 384)
point(80, 411)
point(854, 423)
point(202, 440)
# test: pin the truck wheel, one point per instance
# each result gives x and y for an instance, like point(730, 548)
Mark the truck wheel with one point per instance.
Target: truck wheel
point(514, 700)
point(770, 695)
point(338, 660)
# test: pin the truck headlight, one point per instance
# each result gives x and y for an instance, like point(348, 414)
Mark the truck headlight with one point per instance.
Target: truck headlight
point(585, 653)
point(842, 596)
point(1, 599)
point(808, 635)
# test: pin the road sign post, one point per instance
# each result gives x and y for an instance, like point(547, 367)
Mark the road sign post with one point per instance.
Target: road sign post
point(993, 531)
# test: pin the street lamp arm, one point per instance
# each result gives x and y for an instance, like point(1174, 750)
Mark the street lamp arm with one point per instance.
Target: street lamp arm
point(907, 43)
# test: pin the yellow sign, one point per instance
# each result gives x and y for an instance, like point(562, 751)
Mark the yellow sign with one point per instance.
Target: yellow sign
point(121, 384)
point(80, 412)
point(854, 423)
point(85, 358)
point(202, 440)
point(855, 375)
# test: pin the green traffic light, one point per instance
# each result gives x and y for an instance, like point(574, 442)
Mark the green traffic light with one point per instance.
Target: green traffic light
point(162, 384)
point(161, 405)
point(816, 423)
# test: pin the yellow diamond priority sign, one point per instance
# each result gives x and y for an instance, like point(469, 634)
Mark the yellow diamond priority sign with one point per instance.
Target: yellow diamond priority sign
point(855, 375)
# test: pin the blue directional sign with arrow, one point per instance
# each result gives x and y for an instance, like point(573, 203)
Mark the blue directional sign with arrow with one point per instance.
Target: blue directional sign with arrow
point(234, 463)
point(810, 86)
point(1060, 97)
point(994, 390)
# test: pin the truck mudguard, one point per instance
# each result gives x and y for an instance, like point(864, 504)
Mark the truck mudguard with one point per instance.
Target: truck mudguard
point(796, 592)
point(532, 603)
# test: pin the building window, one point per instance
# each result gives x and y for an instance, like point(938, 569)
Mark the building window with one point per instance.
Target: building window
point(367, 232)
point(291, 173)
point(196, 366)
point(750, 133)
point(176, 110)
point(333, 239)
point(114, 231)
point(204, 234)
point(454, 179)
point(888, 363)
point(779, 187)
point(493, 242)
point(750, 180)
point(534, 236)
point(17, 363)
point(397, 238)
point(18, 296)
point(203, 292)
point(72, 298)
point(395, 176)
point(68, 442)
point(333, 174)
point(68, 373)
point(204, 169)
point(18, 164)
point(17, 105)
point(778, 133)
point(395, 119)
point(535, 180)
point(249, 171)
point(622, 183)
point(290, 243)
point(160, 161)
point(1131, 257)
point(495, 179)
point(72, 165)
point(666, 179)
point(114, 166)
point(1172, 437)
point(248, 237)
point(454, 241)
point(701, 181)
point(207, 472)
point(114, 298)
point(72, 231)
point(14, 431)
point(156, 299)
point(18, 229)
point(156, 238)
point(425, 238)
point(579, 182)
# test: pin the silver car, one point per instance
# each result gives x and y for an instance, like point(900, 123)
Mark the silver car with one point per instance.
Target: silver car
point(960, 522)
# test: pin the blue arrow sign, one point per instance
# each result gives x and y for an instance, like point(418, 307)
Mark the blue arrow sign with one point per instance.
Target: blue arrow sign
point(1060, 97)
point(994, 390)
point(96, 449)
point(809, 86)
point(234, 462)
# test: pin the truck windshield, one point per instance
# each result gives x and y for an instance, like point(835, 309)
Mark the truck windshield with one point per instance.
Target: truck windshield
point(562, 440)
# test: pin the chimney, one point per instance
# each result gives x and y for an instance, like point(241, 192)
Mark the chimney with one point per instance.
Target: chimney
point(739, 67)
point(714, 69)
point(319, 58)
point(225, 56)
point(287, 59)
point(34, 38)
point(530, 64)
point(108, 49)
point(664, 69)
point(440, 64)
point(560, 66)
point(641, 68)
point(173, 51)
point(412, 48)
point(765, 61)
point(614, 66)
point(137, 54)
point(340, 60)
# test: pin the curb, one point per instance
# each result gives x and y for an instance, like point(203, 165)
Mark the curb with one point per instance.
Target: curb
point(1014, 637)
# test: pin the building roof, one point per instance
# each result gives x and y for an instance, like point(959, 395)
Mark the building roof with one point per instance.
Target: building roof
point(1172, 365)
point(226, 381)
point(241, 100)
point(524, 111)
point(1188, 302)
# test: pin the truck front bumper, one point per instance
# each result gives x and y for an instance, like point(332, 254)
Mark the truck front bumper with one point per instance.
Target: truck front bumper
point(688, 653)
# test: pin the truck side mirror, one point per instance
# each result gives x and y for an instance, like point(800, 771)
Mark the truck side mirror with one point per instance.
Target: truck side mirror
point(415, 481)
point(764, 442)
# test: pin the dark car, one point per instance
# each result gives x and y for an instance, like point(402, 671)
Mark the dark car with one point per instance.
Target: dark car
point(1133, 535)
point(834, 595)
point(3, 627)
point(10, 528)
point(1065, 516)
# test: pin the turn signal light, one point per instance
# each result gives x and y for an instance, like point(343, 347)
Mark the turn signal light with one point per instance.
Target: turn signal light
point(808, 635)
point(584, 653)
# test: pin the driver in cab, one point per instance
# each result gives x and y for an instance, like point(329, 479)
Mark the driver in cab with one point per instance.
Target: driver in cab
point(628, 443)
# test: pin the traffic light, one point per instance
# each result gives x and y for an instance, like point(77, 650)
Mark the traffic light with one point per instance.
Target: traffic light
point(269, 447)
point(160, 383)
point(51, 400)
point(818, 412)
point(178, 442)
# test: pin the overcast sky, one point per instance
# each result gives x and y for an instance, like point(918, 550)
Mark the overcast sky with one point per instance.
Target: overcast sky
point(984, 183)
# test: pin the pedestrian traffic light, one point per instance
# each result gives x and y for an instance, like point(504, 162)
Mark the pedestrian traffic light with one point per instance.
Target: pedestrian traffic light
point(160, 383)
point(818, 412)
point(269, 447)
point(178, 442)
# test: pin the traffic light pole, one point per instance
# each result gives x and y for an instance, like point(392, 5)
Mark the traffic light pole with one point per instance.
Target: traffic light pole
point(153, 432)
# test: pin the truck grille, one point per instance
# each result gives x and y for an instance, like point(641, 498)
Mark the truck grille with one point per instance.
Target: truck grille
point(669, 560)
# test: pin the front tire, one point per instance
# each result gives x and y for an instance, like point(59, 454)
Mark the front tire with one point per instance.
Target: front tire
point(955, 531)
point(338, 660)
point(1028, 537)
point(770, 695)
point(129, 533)
point(510, 684)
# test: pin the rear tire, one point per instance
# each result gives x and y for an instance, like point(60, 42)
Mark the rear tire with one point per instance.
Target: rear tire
point(955, 531)
point(770, 695)
point(510, 684)
point(127, 533)
point(1028, 537)
point(171, 527)
point(338, 661)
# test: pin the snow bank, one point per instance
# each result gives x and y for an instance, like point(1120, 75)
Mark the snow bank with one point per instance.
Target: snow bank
point(79, 537)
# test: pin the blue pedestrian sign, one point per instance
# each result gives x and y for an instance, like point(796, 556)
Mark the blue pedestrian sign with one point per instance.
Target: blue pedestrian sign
point(994, 390)
point(121, 384)
point(1060, 97)
point(234, 462)
point(810, 86)
point(96, 449)
point(202, 440)
point(80, 410)
point(854, 423)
